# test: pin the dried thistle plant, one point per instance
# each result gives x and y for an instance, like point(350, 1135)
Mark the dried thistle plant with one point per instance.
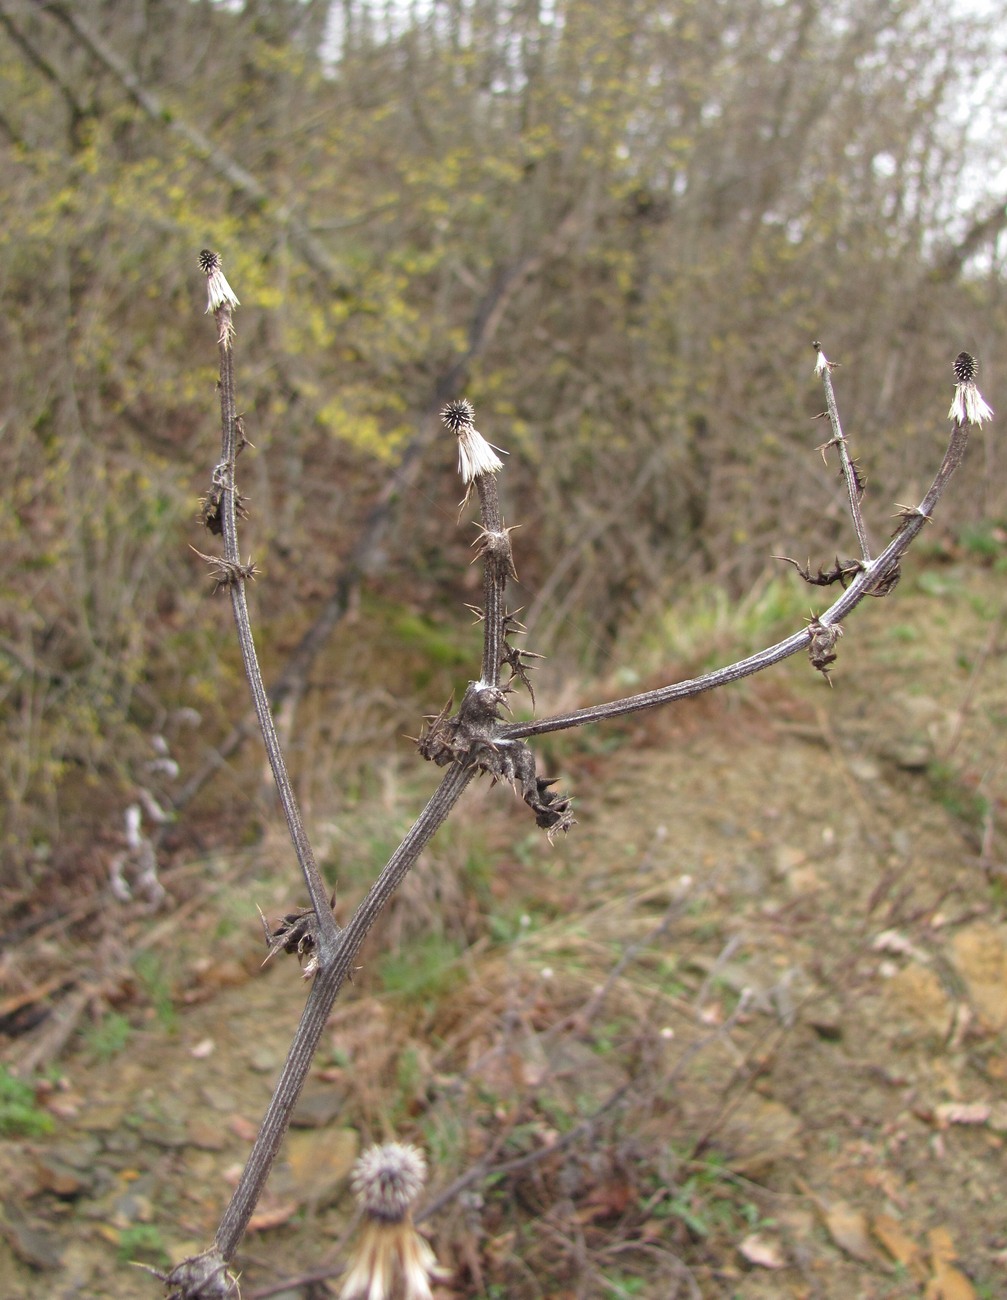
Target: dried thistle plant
point(472, 740)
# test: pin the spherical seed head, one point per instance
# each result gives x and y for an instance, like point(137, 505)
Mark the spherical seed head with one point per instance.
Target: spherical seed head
point(966, 368)
point(209, 261)
point(458, 415)
point(387, 1179)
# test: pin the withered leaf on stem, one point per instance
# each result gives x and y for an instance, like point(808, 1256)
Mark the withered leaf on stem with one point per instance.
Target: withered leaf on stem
point(821, 651)
point(843, 571)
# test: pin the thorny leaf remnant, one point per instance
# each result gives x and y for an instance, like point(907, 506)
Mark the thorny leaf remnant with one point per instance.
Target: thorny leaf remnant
point(886, 585)
point(514, 657)
point(202, 1277)
point(469, 737)
point(843, 571)
point(296, 932)
point(495, 548)
point(821, 651)
point(210, 506)
point(227, 574)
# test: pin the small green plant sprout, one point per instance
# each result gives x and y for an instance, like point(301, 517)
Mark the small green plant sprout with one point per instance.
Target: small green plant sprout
point(20, 1113)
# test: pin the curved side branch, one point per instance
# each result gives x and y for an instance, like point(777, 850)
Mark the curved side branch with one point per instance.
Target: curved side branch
point(873, 577)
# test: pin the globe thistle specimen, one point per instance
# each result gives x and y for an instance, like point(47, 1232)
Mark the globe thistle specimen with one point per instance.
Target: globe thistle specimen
point(390, 1253)
point(968, 405)
point(475, 455)
point(218, 291)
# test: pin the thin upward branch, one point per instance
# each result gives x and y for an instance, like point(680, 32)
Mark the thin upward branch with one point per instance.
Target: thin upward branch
point(235, 575)
point(496, 570)
point(479, 464)
point(334, 952)
point(854, 485)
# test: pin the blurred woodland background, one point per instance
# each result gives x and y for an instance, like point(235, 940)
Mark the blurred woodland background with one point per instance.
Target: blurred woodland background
point(615, 227)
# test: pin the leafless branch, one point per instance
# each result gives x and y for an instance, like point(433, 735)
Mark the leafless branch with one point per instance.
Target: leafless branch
point(851, 474)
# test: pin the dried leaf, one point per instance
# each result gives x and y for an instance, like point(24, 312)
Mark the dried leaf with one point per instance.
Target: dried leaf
point(961, 1112)
point(607, 1201)
point(942, 1247)
point(900, 1245)
point(243, 1128)
point(948, 1282)
point(272, 1216)
point(762, 1251)
point(848, 1229)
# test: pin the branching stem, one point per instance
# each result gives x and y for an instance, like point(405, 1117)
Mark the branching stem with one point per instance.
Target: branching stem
point(475, 740)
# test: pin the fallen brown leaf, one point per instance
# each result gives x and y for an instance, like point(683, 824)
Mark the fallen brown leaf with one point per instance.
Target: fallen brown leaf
point(900, 1245)
point(848, 1229)
point(605, 1202)
point(243, 1128)
point(961, 1112)
point(948, 1282)
point(272, 1216)
point(762, 1251)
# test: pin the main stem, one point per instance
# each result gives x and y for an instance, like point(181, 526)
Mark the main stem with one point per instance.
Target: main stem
point(327, 983)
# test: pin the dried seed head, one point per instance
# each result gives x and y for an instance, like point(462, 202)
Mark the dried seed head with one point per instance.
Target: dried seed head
point(968, 405)
point(966, 368)
point(475, 455)
point(387, 1180)
point(391, 1257)
point(458, 415)
point(218, 291)
point(391, 1260)
point(821, 360)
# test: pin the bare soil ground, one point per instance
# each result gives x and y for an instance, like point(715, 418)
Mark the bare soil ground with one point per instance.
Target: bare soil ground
point(743, 1034)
